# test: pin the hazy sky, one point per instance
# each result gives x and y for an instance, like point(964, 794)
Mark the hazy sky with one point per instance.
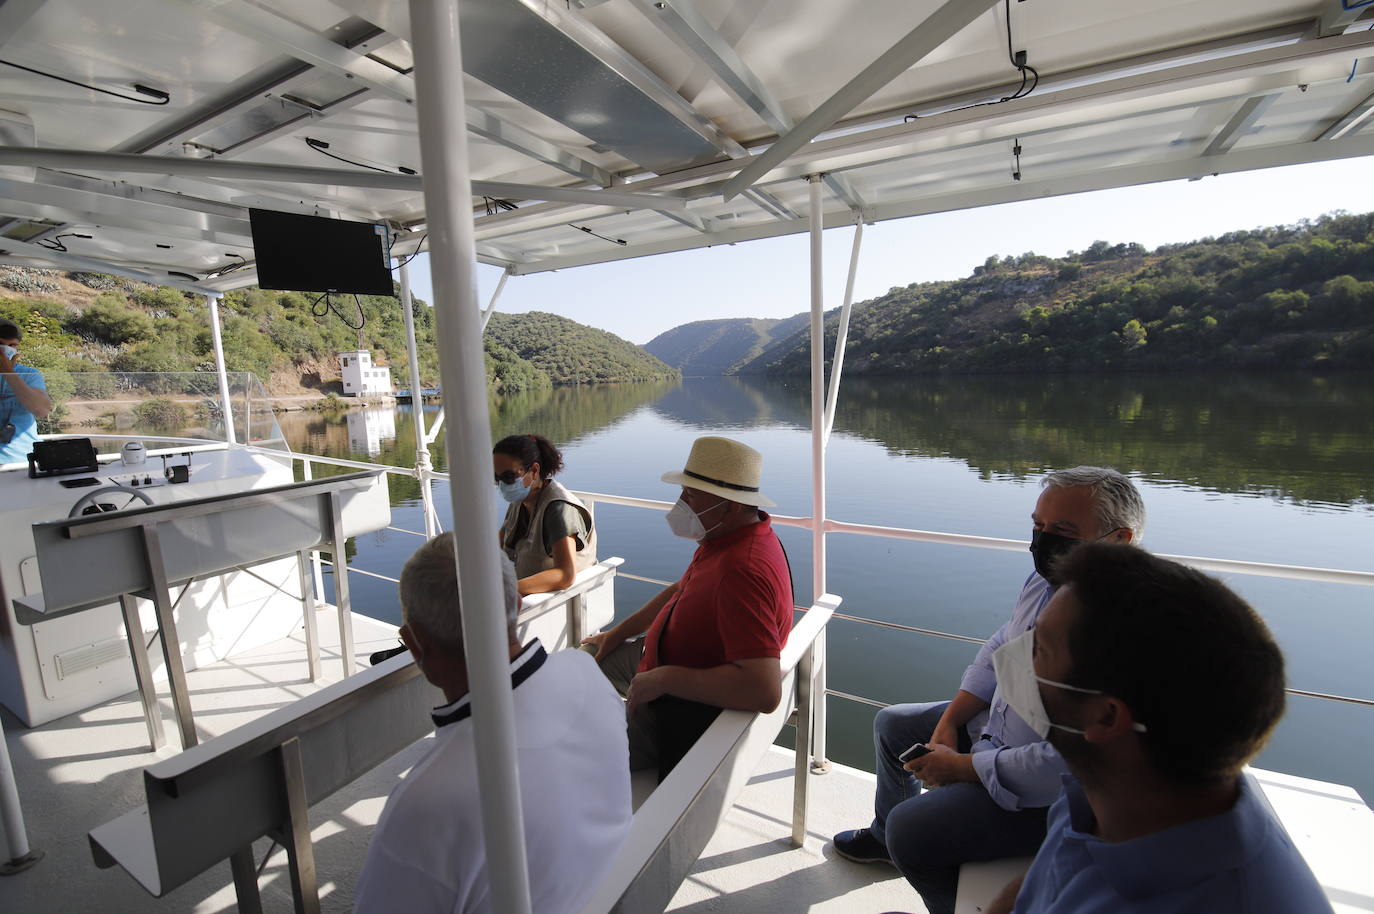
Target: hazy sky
point(639, 299)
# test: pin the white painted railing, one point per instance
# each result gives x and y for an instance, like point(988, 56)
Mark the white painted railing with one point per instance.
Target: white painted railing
point(1205, 563)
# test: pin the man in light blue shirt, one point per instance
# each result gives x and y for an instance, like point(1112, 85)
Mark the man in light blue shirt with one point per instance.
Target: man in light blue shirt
point(996, 776)
point(1156, 684)
point(23, 398)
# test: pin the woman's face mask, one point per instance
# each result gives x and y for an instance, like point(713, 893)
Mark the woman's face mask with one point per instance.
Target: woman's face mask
point(1014, 666)
point(512, 486)
point(513, 491)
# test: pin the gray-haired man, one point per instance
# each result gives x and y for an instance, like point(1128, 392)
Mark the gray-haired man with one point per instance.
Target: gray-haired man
point(427, 855)
point(997, 775)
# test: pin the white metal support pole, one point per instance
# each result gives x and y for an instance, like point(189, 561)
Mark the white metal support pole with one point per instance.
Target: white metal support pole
point(448, 204)
point(486, 319)
point(226, 404)
point(21, 855)
point(423, 466)
point(818, 760)
point(495, 297)
point(842, 337)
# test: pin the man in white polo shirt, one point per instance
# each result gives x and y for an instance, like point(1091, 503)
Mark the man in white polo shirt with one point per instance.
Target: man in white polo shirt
point(427, 855)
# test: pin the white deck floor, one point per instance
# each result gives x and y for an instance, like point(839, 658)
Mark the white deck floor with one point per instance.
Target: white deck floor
point(84, 770)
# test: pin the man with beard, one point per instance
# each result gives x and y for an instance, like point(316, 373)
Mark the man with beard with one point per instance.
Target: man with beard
point(1156, 684)
point(996, 776)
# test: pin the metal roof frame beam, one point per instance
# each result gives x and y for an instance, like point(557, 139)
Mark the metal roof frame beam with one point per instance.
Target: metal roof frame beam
point(682, 22)
point(851, 150)
point(1339, 15)
point(1241, 123)
point(1354, 120)
point(247, 93)
point(13, 15)
point(258, 171)
point(1096, 73)
point(1104, 179)
point(630, 68)
point(932, 134)
point(317, 50)
point(39, 254)
point(951, 18)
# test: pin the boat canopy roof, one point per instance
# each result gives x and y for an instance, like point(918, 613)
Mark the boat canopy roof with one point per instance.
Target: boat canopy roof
point(139, 133)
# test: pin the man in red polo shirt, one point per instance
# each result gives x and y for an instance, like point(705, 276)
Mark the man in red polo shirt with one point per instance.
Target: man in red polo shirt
point(715, 635)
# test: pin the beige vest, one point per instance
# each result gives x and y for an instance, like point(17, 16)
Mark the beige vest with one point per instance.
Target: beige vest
point(528, 552)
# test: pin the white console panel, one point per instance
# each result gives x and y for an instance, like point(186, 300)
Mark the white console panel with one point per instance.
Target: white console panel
point(74, 662)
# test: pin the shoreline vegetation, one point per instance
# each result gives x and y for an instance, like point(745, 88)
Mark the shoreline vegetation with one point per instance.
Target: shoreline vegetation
point(1286, 297)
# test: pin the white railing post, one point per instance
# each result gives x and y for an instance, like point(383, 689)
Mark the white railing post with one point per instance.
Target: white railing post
point(225, 404)
point(440, 106)
point(317, 569)
point(818, 582)
point(842, 336)
point(423, 466)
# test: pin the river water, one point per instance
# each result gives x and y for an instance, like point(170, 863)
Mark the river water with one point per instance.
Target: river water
point(1266, 467)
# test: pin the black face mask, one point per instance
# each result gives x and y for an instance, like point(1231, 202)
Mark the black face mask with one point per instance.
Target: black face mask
point(1045, 548)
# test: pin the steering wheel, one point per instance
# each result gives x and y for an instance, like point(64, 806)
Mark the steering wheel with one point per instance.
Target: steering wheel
point(87, 503)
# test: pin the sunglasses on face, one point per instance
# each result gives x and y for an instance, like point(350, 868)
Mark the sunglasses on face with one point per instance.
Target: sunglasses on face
point(509, 476)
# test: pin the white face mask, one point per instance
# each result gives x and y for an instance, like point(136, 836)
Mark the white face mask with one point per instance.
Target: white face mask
point(684, 522)
point(1014, 665)
point(10, 351)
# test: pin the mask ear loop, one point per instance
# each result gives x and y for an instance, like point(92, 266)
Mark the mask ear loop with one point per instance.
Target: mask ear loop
point(1135, 725)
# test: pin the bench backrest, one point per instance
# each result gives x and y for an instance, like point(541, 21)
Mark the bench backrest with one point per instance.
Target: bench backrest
point(241, 780)
point(237, 780)
point(674, 824)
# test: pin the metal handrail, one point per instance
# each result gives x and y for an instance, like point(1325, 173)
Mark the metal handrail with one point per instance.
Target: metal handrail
point(1263, 569)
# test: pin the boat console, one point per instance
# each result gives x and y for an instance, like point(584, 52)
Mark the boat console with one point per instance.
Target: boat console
point(64, 665)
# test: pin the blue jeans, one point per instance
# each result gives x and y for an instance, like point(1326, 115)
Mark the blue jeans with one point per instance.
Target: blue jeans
point(928, 835)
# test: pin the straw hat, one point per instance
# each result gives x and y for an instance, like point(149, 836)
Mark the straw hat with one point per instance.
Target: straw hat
point(725, 468)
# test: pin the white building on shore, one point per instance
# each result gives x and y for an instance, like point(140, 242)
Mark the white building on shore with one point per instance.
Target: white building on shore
point(361, 377)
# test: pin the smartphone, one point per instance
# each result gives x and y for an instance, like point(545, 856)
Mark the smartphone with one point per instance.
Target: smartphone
point(78, 483)
point(916, 751)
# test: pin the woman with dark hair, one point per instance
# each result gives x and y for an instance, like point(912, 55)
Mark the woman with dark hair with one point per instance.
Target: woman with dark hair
point(547, 532)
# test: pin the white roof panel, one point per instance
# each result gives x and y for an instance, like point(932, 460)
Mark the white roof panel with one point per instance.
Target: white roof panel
point(667, 100)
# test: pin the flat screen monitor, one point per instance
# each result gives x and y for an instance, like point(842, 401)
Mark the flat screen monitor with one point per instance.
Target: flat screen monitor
point(298, 253)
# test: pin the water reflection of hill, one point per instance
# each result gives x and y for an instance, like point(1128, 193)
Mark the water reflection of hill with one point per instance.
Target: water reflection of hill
point(1283, 435)
point(563, 414)
point(718, 404)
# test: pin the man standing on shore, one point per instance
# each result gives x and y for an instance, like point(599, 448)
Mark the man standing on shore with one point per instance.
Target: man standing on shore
point(23, 398)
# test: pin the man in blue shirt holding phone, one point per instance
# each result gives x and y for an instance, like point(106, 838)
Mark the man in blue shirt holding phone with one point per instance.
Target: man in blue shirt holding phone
point(1156, 684)
point(996, 776)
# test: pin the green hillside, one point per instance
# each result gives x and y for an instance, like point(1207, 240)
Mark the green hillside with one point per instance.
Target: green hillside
point(78, 326)
point(572, 353)
point(1299, 296)
point(716, 347)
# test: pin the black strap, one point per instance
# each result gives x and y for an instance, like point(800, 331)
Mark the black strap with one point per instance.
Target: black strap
point(720, 482)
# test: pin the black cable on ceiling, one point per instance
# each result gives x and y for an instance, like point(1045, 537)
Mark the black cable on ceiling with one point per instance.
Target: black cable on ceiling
point(413, 254)
point(1030, 77)
point(322, 148)
point(55, 243)
point(161, 97)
